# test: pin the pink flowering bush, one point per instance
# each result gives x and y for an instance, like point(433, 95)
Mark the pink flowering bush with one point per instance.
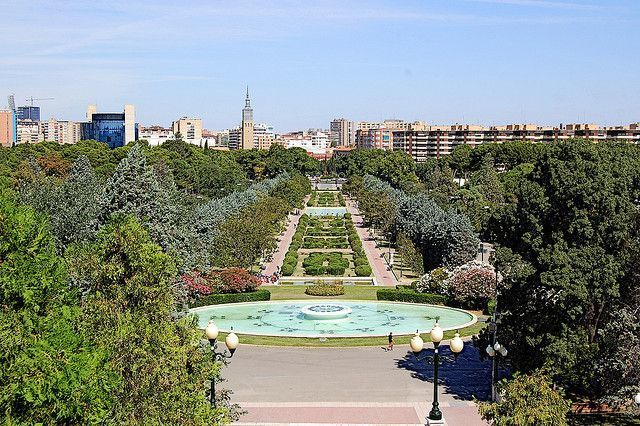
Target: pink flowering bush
point(232, 280)
point(196, 284)
point(472, 285)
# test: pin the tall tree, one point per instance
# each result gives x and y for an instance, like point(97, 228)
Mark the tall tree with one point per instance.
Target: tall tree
point(574, 229)
point(50, 373)
point(129, 308)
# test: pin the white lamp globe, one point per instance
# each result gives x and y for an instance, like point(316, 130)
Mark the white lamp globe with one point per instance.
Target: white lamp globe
point(503, 351)
point(232, 341)
point(637, 398)
point(497, 346)
point(416, 343)
point(436, 333)
point(211, 331)
point(490, 351)
point(456, 344)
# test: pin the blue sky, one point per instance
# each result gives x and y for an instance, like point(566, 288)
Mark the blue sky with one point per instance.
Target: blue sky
point(306, 62)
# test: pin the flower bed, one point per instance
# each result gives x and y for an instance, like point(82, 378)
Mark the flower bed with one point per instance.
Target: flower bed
point(325, 290)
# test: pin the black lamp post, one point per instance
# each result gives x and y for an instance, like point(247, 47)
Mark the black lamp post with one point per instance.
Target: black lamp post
point(417, 345)
point(231, 341)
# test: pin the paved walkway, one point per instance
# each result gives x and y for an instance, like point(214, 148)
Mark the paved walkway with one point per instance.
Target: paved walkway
point(367, 385)
point(285, 241)
point(374, 254)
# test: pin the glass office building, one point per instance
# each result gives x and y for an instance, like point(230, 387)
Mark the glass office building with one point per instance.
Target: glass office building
point(114, 129)
point(29, 113)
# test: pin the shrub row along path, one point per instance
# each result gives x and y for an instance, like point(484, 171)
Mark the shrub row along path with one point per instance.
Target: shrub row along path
point(374, 254)
point(352, 386)
point(285, 241)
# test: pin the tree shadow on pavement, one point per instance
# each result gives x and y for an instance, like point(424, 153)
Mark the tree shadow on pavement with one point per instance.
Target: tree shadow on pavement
point(463, 378)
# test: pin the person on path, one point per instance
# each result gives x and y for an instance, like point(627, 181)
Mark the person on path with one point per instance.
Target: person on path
point(390, 346)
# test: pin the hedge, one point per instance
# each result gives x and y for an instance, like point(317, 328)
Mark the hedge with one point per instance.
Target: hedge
point(404, 295)
point(218, 299)
point(363, 270)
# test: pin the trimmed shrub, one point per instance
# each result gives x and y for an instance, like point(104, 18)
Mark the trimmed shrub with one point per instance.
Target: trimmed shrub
point(363, 270)
point(347, 216)
point(325, 290)
point(403, 295)
point(218, 298)
point(287, 269)
point(360, 260)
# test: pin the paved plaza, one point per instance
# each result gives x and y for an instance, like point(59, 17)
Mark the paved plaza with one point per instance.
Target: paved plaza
point(285, 385)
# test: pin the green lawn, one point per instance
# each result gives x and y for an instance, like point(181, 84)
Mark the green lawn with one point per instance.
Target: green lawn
point(353, 293)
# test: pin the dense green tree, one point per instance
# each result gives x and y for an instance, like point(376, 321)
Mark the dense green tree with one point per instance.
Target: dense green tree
point(245, 237)
point(574, 230)
point(487, 182)
point(75, 208)
point(129, 308)
point(527, 400)
point(391, 166)
point(49, 371)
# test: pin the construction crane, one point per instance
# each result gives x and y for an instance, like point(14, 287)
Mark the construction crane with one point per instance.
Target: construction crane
point(31, 99)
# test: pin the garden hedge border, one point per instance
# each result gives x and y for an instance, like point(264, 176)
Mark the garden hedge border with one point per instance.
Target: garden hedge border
point(405, 295)
point(219, 298)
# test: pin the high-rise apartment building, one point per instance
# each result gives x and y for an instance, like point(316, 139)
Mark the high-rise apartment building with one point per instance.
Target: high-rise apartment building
point(189, 128)
point(247, 124)
point(436, 141)
point(342, 132)
point(28, 131)
point(8, 127)
point(114, 129)
point(373, 135)
point(61, 131)
point(29, 113)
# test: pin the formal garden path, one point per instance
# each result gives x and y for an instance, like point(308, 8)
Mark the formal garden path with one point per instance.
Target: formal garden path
point(283, 244)
point(352, 386)
point(374, 254)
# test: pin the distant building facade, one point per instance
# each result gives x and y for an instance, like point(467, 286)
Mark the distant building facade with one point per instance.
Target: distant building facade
point(8, 127)
point(247, 124)
point(155, 135)
point(189, 128)
point(29, 113)
point(436, 141)
point(61, 131)
point(342, 132)
point(114, 129)
point(28, 131)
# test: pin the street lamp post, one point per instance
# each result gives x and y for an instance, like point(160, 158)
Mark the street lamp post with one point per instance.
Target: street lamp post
point(231, 341)
point(417, 345)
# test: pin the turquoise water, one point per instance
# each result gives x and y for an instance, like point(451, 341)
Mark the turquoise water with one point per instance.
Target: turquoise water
point(368, 318)
point(325, 211)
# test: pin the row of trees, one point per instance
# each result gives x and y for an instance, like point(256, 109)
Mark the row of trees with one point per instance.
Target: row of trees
point(196, 172)
point(441, 236)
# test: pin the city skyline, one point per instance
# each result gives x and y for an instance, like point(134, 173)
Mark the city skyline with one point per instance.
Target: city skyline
point(470, 61)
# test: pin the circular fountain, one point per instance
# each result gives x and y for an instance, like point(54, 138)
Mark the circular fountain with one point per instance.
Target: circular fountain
point(331, 318)
point(325, 311)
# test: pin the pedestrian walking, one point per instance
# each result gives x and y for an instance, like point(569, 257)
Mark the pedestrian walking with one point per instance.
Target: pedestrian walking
point(390, 346)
